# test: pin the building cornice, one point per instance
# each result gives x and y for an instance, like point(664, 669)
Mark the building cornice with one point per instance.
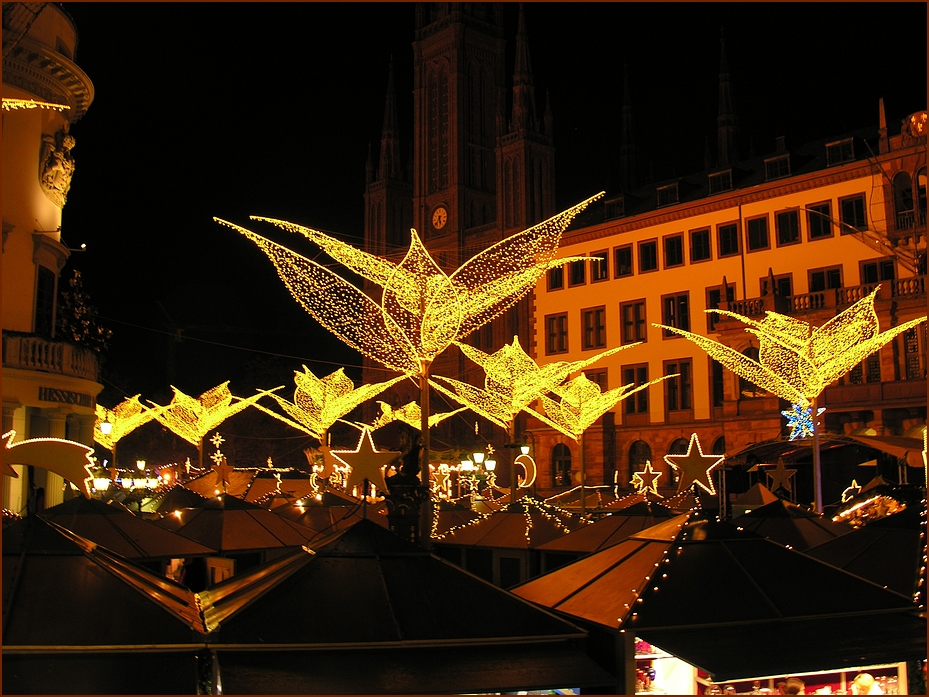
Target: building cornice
point(37, 69)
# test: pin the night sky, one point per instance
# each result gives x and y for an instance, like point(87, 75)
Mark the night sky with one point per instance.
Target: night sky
point(238, 109)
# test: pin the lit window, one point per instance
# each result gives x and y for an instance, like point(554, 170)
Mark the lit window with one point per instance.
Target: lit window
point(599, 267)
point(594, 325)
point(675, 312)
point(632, 317)
point(556, 333)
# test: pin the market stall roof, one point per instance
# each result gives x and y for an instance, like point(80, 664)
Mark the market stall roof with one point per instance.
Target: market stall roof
point(378, 614)
point(121, 531)
point(902, 447)
point(450, 514)
point(683, 583)
point(237, 526)
point(327, 519)
point(61, 589)
point(610, 529)
point(791, 524)
point(889, 551)
point(524, 525)
point(177, 497)
point(624, 501)
point(211, 483)
point(757, 495)
point(266, 483)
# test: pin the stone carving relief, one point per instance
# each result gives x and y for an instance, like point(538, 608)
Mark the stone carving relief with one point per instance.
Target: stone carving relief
point(56, 166)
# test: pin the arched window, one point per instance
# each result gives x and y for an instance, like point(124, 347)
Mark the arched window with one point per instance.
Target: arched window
point(678, 447)
point(561, 465)
point(903, 200)
point(719, 446)
point(639, 453)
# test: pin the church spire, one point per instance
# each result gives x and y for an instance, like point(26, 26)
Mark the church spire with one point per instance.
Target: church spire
point(390, 164)
point(523, 116)
point(726, 122)
point(628, 176)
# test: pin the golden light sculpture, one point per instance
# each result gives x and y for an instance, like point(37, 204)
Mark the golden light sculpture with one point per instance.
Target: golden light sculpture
point(512, 381)
point(66, 458)
point(192, 418)
point(409, 414)
point(421, 310)
point(320, 402)
point(647, 480)
point(695, 467)
point(796, 361)
point(580, 404)
point(123, 419)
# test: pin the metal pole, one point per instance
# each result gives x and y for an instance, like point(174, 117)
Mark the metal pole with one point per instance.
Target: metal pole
point(583, 478)
point(817, 464)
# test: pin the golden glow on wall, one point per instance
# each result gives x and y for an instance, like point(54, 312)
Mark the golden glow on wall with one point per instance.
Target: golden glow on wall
point(796, 361)
point(422, 309)
point(320, 402)
point(14, 104)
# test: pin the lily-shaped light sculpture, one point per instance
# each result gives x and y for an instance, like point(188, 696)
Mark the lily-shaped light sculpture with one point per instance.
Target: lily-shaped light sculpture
point(192, 418)
point(796, 361)
point(409, 414)
point(512, 381)
point(111, 425)
point(421, 309)
point(320, 402)
point(580, 404)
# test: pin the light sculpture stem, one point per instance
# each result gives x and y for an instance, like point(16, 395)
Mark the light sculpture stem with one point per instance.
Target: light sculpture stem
point(424, 421)
point(511, 445)
point(817, 463)
point(583, 477)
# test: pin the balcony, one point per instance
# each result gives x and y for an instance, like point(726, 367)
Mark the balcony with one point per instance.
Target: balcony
point(871, 395)
point(835, 299)
point(33, 353)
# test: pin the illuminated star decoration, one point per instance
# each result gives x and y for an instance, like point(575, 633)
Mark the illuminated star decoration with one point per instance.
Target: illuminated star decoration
point(222, 470)
point(441, 483)
point(366, 462)
point(192, 418)
point(422, 309)
point(67, 458)
point(694, 466)
point(780, 476)
point(646, 480)
point(800, 420)
point(124, 418)
point(320, 402)
point(796, 360)
point(851, 491)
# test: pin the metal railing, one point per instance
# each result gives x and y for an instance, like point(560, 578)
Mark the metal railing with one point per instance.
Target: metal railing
point(29, 352)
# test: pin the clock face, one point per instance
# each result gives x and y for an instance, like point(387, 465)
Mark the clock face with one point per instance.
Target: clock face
point(439, 217)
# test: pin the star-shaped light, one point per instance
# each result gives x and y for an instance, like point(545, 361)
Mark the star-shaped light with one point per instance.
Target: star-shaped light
point(366, 461)
point(780, 476)
point(440, 481)
point(851, 491)
point(646, 480)
point(67, 458)
point(800, 420)
point(223, 471)
point(217, 440)
point(694, 466)
point(320, 402)
point(796, 361)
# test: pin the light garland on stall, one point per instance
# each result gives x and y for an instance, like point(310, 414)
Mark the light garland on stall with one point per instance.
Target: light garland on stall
point(551, 513)
point(796, 361)
point(320, 402)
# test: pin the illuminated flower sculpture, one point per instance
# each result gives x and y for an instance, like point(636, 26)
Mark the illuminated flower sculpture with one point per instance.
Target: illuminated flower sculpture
point(796, 361)
point(409, 414)
point(513, 381)
point(421, 309)
point(579, 405)
point(112, 424)
point(192, 418)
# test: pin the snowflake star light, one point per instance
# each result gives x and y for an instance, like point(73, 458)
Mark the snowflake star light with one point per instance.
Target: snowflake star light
point(800, 420)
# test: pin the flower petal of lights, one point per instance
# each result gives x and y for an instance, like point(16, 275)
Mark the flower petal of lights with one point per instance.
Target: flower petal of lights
point(320, 402)
point(800, 420)
point(124, 418)
point(694, 466)
point(67, 458)
point(409, 414)
point(423, 309)
point(581, 403)
point(366, 462)
point(192, 418)
point(646, 480)
point(796, 361)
